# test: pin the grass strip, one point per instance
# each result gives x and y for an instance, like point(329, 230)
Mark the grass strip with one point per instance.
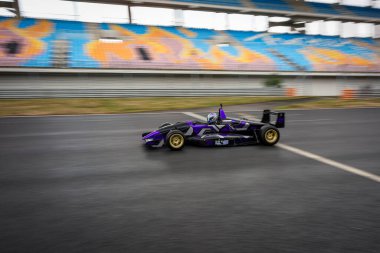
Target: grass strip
point(71, 106)
point(332, 103)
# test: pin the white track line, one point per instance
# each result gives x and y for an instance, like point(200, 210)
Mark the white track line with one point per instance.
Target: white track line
point(309, 120)
point(194, 115)
point(247, 116)
point(318, 158)
point(251, 117)
point(330, 162)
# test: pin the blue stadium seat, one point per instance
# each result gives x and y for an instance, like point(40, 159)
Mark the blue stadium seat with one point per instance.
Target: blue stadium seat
point(364, 11)
point(236, 3)
point(273, 5)
point(323, 8)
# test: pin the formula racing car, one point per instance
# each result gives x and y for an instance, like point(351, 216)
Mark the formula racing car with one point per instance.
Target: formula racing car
point(219, 130)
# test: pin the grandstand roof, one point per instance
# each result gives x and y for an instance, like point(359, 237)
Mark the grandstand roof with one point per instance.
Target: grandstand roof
point(11, 6)
point(355, 14)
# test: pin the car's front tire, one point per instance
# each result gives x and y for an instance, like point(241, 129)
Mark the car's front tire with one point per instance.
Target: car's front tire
point(175, 140)
point(269, 135)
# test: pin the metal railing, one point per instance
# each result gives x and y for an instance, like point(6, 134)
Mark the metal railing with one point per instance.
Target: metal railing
point(367, 93)
point(188, 65)
point(107, 93)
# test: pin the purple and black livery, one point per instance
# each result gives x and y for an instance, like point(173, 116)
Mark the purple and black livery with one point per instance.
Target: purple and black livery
point(224, 132)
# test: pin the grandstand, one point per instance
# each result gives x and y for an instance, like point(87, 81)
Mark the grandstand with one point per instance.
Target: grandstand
point(53, 43)
point(73, 46)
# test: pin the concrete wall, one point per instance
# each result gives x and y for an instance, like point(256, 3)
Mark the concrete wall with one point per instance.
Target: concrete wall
point(306, 86)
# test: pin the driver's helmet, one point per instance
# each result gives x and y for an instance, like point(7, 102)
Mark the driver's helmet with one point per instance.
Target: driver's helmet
point(211, 118)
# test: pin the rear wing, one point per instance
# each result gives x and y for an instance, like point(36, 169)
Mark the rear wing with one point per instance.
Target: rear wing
point(279, 121)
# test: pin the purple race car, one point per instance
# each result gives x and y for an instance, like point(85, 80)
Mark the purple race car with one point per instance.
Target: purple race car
point(218, 131)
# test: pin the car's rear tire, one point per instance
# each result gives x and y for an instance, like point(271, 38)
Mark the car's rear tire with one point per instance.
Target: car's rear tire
point(269, 135)
point(175, 140)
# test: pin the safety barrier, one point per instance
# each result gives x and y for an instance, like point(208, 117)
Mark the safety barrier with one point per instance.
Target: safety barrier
point(348, 94)
point(361, 93)
point(104, 93)
point(367, 93)
point(291, 92)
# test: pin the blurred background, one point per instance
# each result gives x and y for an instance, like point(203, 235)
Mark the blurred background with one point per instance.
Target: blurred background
point(75, 182)
point(137, 48)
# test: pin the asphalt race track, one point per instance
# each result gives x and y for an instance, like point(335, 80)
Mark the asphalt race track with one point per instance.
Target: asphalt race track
point(86, 184)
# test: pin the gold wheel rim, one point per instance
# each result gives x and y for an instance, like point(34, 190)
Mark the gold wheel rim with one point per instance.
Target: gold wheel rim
point(271, 136)
point(176, 140)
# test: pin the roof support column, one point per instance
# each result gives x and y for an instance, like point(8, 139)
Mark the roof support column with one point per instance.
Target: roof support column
point(227, 21)
point(376, 31)
point(75, 9)
point(178, 17)
point(130, 18)
point(16, 7)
